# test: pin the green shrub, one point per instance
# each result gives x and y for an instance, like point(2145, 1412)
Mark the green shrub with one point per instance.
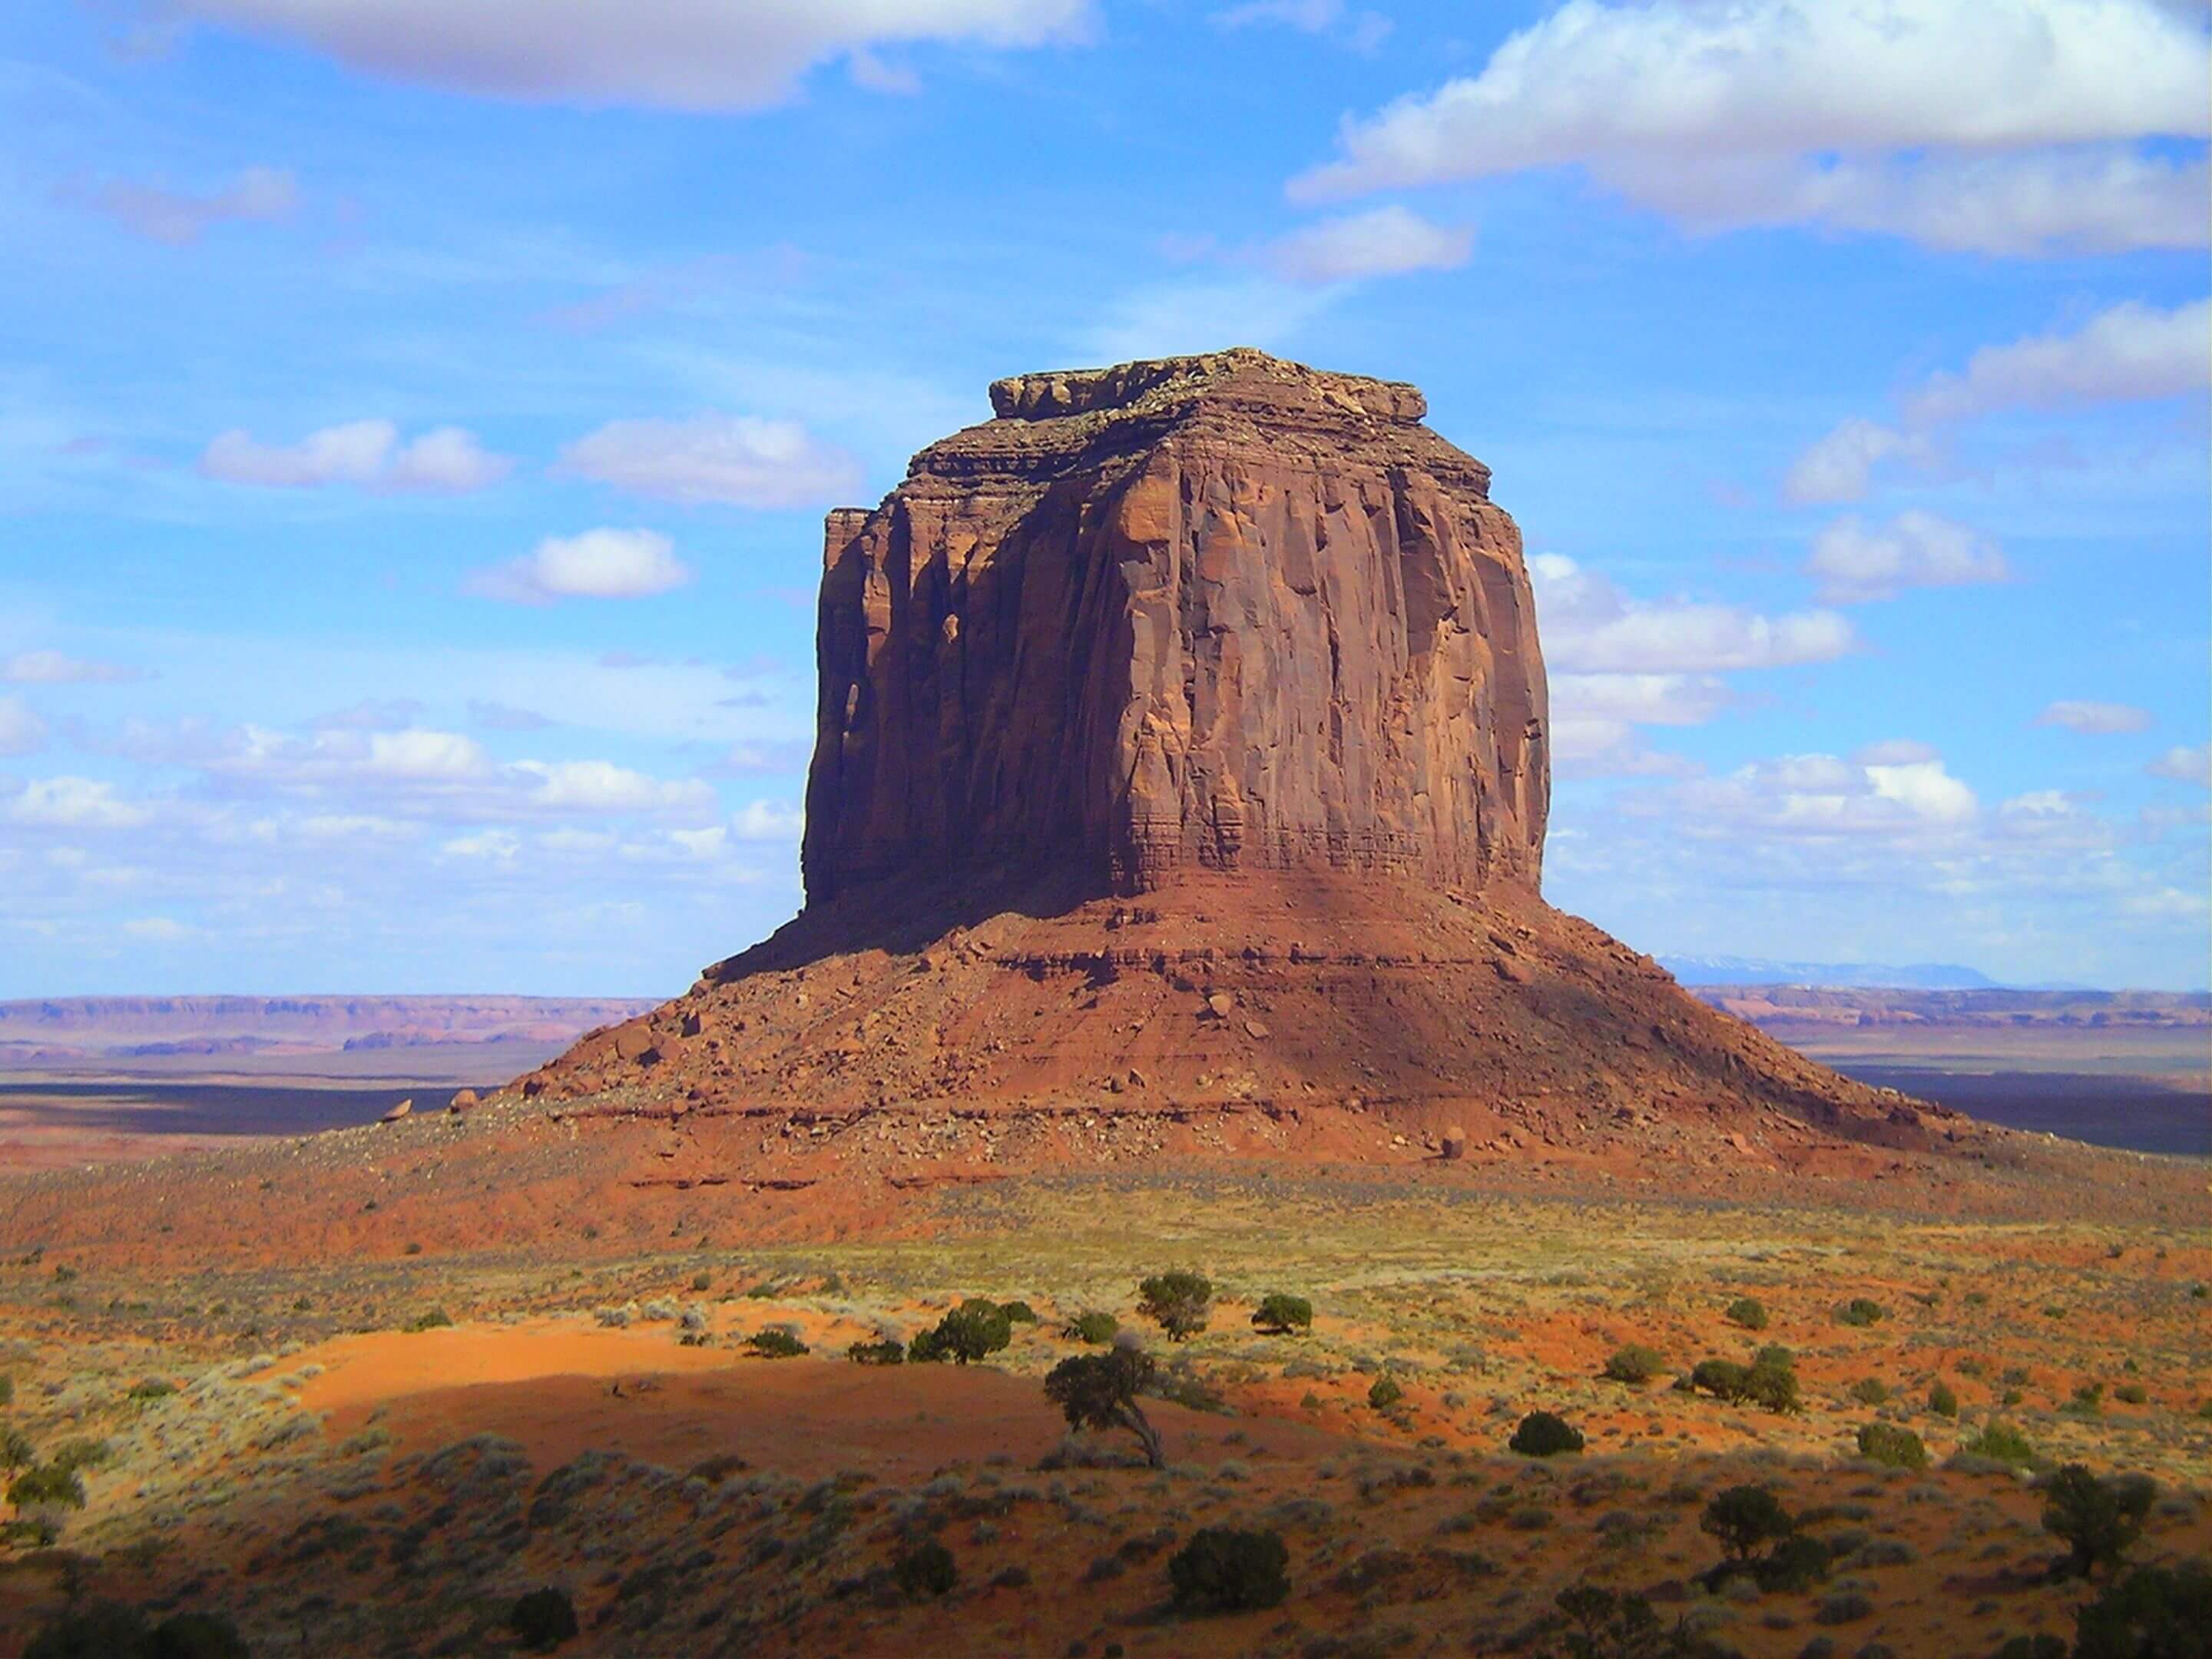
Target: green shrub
point(1797, 1563)
point(972, 1331)
point(101, 1630)
point(1544, 1434)
point(83, 1454)
point(154, 1387)
point(2088, 1400)
point(1768, 1382)
point(703, 1281)
point(196, 1635)
point(1860, 1310)
point(2150, 1613)
point(2097, 1520)
point(1747, 1311)
point(7, 1390)
point(776, 1343)
point(1018, 1313)
point(1385, 1392)
point(1606, 1624)
point(1870, 1391)
point(1279, 1314)
point(2132, 1394)
point(1900, 1448)
point(885, 1350)
point(16, 1451)
point(1942, 1400)
point(1095, 1328)
point(46, 1488)
point(543, 1619)
point(2003, 1444)
point(433, 1319)
point(926, 1569)
point(1178, 1303)
point(1634, 1362)
point(1228, 1569)
point(1746, 1520)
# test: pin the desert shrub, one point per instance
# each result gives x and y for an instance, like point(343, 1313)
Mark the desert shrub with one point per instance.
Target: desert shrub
point(1385, 1392)
point(543, 1619)
point(430, 1320)
point(2097, 1520)
point(1228, 1569)
point(885, 1350)
point(2003, 1444)
point(971, 1331)
point(1747, 1311)
point(46, 1489)
point(1100, 1391)
point(1096, 1328)
point(154, 1387)
point(1769, 1381)
point(2132, 1393)
point(1942, 1400)
point(1634, 1362)
point(196, 1635)
point(104, 1630)
point(1900, 1448)
point(7, 1390)
point(1018, 1313)
point(703, 1281)
point(1844, 1607)
point(1869, 1391)
point(1279, 1314)
point(2150, 1613)
point(1746, 1520)
point(773, 1342)
point(1860, 1310)
point(1607, 1625)
point(1177, 1303)
point(16, 1451)
point(81, 1454)
point(2088, 1400)
point(1796, 1565)
point(926, 1569)
point(1544, 1434)
point(2043, 1646)
point(1724, 1379)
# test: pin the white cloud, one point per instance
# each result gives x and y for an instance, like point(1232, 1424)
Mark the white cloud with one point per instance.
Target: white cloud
point(1924, 789)
point(1388, 241)
point(598, 565)
point(178, 217)
point(2130, 353)
point(1645, 699)
point(1856, 562)
point(72, 803)
point(2082, 715)
point(1838, 467)
point(53, 668)
point(1590, 625)
point(446, 458)
point(768, 820)
point(602, 786)
point(425, 756)
point(715, 458)
point(676, 54)
point(499, 846)
point(21, 731)
point(1823, 796)
point(2184, 764)
point(2005, 127)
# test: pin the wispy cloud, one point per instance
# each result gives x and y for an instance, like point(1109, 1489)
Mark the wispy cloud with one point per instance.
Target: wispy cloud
point(180, 217)
point(446, 459)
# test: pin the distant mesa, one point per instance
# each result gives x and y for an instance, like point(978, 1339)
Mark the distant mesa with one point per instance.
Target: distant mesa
point(1182, 744)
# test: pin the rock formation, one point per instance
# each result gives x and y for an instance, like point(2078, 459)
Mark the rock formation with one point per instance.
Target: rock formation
point(1218, 611)
point(1182, 745)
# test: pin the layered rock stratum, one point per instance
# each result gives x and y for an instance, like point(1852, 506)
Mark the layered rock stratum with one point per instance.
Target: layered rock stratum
point(1181, 755)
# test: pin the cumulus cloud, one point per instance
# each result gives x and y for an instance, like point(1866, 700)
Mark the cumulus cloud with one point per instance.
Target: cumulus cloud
point(2098, 718)
point(1389, 241)
point(178, 217)
point(732, 458)
point(56, 668)
point(73, 803)
point(602, 786)
point(1823, 796)
point(1590, 626)
point(1839, 466)
point(2127, 354)
point(2184, 764)
point(1856, 562)
point(21, 731)
point(2003, 126)
point(598, 565)
point(768, 820)
point(446, 459)
point(674, 54)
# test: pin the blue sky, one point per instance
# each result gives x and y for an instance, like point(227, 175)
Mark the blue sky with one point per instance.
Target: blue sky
point(416, 421)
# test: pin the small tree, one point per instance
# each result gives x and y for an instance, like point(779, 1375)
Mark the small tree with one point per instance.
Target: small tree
point(1607, 1625)
point(1385, 1392)
point(1280, 1315)
point(1099, 1391)
point(1227, 1570)
point(1544, 1434)
point(970, 1332)
point(543, 1619)
point(1746, 1520)
point(2097, 1520)
point(1177, 1303)
point(1942, 1401)
point(1747, 1311)
point(2150, 1613)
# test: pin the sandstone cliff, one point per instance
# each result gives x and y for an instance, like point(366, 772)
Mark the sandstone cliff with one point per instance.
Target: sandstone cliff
point(1223, 612)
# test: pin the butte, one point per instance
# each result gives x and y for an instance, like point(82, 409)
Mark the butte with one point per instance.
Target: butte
point(1179, 784)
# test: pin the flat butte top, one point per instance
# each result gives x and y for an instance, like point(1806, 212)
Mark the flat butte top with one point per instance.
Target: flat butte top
point(1237, 401)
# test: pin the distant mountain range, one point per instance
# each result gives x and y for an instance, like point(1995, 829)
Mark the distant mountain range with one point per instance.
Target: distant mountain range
point(1910, 977)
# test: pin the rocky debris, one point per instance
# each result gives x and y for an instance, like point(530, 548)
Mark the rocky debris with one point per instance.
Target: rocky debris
point(463, 1099)
point(398, 1112)
point(1455, 1144)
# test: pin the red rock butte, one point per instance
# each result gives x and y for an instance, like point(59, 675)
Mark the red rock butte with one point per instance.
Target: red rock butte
point(1182, 748)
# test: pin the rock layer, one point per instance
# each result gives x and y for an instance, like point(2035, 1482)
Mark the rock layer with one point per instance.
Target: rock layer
point(1220, 612)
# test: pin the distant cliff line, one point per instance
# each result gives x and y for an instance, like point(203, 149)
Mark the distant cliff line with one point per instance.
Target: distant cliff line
point(132, 1026)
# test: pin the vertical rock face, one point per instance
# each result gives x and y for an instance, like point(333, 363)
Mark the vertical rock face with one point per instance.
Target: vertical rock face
point(1222, 612)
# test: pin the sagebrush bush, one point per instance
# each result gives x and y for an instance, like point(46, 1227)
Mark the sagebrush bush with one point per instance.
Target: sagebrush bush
point(1229, 1570)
